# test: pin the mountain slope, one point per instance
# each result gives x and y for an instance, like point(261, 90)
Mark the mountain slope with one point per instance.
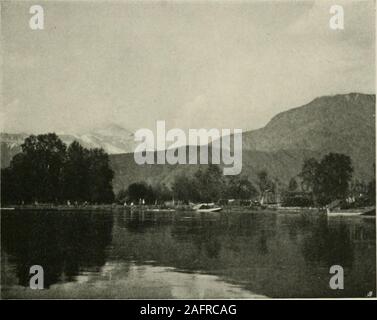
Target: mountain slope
point(341, 123)
point(112, 138)
point(326, 123)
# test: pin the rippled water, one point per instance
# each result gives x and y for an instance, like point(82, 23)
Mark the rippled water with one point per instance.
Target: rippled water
point(185, 254)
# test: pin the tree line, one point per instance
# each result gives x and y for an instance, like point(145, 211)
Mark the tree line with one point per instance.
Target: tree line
point(318, 183)
point(47, 171)
point(205, 185)
point(330, 179)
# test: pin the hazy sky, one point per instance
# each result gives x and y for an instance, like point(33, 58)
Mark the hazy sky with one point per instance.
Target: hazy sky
point(193, 64)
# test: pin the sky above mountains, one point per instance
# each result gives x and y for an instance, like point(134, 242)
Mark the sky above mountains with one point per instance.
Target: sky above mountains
point(194, 65)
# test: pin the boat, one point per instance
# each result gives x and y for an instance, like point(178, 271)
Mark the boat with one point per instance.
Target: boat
point(161, 210)
point(207, 207)
point(369, 211)
point(344, 214)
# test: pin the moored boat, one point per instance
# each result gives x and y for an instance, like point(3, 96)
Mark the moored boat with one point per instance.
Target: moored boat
point(370, 211)
point(207, 207)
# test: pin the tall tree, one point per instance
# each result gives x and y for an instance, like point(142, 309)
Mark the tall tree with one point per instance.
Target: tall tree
point(372, 188)
point(17, 181)
point(121, 196)
point(240, 188)
point(45, 171)
point(100, 177)
point(292, 185)
point(372, 192)
point(333, 176)
point(137, 191)
point(76, 173)
point(9, 188)
point(264, 182)
point(161, 192)
point(39, 167)
point(210, 183)
point(309, 174)
point(184, 189)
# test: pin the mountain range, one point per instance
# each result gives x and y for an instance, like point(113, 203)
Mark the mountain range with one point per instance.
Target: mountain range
point(340, 123)
point(112, 138)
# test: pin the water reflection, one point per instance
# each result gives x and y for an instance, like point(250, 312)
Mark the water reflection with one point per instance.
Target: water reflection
point(329, 244)
point(64, 243)
point(276, 255)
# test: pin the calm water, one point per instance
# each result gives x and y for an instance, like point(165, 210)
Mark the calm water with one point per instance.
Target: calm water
point(185, 255)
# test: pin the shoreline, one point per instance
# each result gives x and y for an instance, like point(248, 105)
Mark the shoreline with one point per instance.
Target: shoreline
point(178, 208)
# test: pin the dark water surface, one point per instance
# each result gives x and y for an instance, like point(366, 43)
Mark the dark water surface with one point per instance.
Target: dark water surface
point(185, 254)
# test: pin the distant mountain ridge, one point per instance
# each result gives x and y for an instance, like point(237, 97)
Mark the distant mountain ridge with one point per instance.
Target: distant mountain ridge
point(113, 139)
point(340, 123)
point(309, 126)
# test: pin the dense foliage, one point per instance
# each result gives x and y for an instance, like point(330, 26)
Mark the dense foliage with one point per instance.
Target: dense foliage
point(47, 171)
point(140, 192)
point(205, 185)
point(328, 179)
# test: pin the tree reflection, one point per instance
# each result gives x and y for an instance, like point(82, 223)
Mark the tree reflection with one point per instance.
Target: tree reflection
point(62, 243)
point(329, 245)
point(271, 254)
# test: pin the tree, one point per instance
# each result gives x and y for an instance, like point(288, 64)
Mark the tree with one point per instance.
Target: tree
point(309, 174)
point(121, 196)
point(210, 183)
point(137, 191)
point(292, 185)
point(372, 192)
point(240, 188)
point(372, 188)
point(100, 177)
point(333, 176)
point(184, 189)
point(358, 188)
point(37, 169)
point(328, 179)
point(76, 173)
point(161, 192)
point(16, 184)
point(8, 187)
point(264, 182)
point(45, 171)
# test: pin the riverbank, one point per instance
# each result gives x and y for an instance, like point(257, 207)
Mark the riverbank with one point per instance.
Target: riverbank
point(369, 211)
point(102, 207)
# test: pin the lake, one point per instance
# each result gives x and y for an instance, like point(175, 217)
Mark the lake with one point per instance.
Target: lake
point(123, 254)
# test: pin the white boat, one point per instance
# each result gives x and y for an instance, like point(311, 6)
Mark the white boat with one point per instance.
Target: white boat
point(343, 214)
point(370, 211)
point(207, 207)
point(161, 210)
